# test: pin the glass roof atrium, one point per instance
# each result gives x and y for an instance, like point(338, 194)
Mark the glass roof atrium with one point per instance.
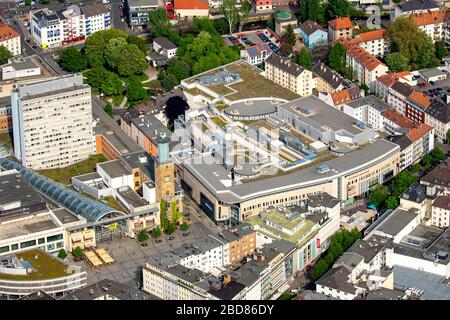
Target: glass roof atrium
point(90, 209)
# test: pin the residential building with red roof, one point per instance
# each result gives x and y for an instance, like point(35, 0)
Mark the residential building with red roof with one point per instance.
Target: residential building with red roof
point(338, 99)
point(432, 22)
point(262, 5)
point(189, 9)
point(384, 82)
point(366, 67)
point(10, 39)
point(374, 42)
point(340, 28)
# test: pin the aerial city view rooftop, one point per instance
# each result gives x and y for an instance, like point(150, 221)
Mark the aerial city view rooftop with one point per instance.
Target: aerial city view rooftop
point(224, 150)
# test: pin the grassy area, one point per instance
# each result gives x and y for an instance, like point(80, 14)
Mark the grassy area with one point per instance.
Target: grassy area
point(117, 100)
point(46, 266)
point(219, 121)
point(63, 175)
point(196, 92)
point(110, 201)
point(6, 139)
point(287, 296)
point(221, 106)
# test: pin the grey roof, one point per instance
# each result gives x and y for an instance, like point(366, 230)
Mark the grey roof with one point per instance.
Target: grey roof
point(432, 72)
point(309, 27)
point(91, 10)
point(321, 116)
point(20, 63)
point(208, 173)
point(141, 160)
point(53, 86)
point(322, 199)
point(150, 126)
point(109, 287)
point(403, 88)
point(227, 291)
point(143, 3)
point(65, 216)
point(414, 5)
point(337, 278)
point(442, 202)
point(372, 101)
point(75, 202)
point(333, 78)
point(45, 14)
point(131, 197)
point(434, 286)
point(165, 43)
point(350, 259)
point(397, 221)
point(369, 248)
point(285, 64)
point(401, 139)
point(385, 294)
point(440, 175)
point(416, 193)
point(439, 110)
point(114, 168)
point(253, 108)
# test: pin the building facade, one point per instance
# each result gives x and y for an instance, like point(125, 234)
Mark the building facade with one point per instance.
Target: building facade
point(10, 39)
point(52, 122)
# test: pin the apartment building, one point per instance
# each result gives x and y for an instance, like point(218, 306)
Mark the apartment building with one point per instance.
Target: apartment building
point(414, 6)
point(313, 34)
point(366, 67)
point(138, 11)
point(52, 122)
point(190, 9)
point(10, 39)
point(437, 115)
point(328, 80)
point(340, 28)
point(374, 42)
point(397, 95)
point(431, 22)
point(440, 212)
point(439, 177)
point(257, 54)
point(56, 28)
point(289, 75)
point(414, 144)
point(447, 28)
point(368, 109)
point(384, 82)
point(262, 5)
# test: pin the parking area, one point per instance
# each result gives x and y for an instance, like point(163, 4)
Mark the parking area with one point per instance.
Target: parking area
point(434, 89)
point(251, 38)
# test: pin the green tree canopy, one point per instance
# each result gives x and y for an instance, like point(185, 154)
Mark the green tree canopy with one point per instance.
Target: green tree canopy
point(156, 232)
point(72, 60)
point(289, 36)
point(379, 195)
point(159, 23)
point(184, 226)
point(77, 252)
point(105, 81)
point(142, 235)
point(139, 42)
point(437, 155)
point(448, 136)
point(62, 254)
point(135, 91)
point(169, 81)
point(171, 228)
point(109, 110)
point(441, 49)
point(312, 10)
point(337, 57)
point(391, 203)
point(95, 45)
point(180, 69)
point(5, 54)
point(230, 12)
point(243, 13)
point(397, 62)
point(338, 8)
point(304, 59)
point(125, 58)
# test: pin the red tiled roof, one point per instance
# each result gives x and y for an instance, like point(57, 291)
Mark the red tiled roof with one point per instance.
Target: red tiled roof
point(364, 58)
point(6, 32)
point(346, 95)
point(397, 118)
point(428, 17)
point(420, 98)
point(340, 23)
point(390, 78)
point(347, 43)
point(191, 4)
point(418, 132)
point(369, 36)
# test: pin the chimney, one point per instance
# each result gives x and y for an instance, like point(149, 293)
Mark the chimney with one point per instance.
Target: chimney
point(226, 279)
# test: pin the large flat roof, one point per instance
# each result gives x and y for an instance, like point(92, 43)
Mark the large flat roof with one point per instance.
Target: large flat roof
point(397, 221)
point(27, 226)
point(218, 180)
point(321, 116)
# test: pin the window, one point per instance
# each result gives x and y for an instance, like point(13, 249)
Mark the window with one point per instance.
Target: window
point(4, 249)
point(51, 247)
point(14, 247)
point(166, 178)
point(27, 244)
point(54, 238)
point(41, 241)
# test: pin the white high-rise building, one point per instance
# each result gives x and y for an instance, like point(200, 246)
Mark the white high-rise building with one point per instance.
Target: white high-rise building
point(52, 122)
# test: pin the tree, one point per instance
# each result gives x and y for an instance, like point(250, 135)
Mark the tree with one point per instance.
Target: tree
point(156, 232)
point(45, 1)
point(379, 195)
point(391, 203)
point(437, 155)
point(163, 213)
point(158, 23)
point(230, 12)
point(72, 60)
point(397, 62)
point(96, 44)
point(125, 58)
point(448, 136)
point(142, 235)
point(111, 84)
point(135, 90)
point(337, 57)
point(243, 13)
point(415, 168)
point(338, 8)
point(407, 38)
point(184, 226)
point(285, 49)
point(109, 110)
point(139, 42)
point(169, 81)
point(62, 254)
point(304, 59)
point(426, 55)
point(77, 252)
point(289, 36)
point(320, 268)
point(175, 106)
point(5, 54)
point(426, 162)
point(364, 87)
point(171, 228)
point(312, 10)
point(441, 49)
point(179, 68)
